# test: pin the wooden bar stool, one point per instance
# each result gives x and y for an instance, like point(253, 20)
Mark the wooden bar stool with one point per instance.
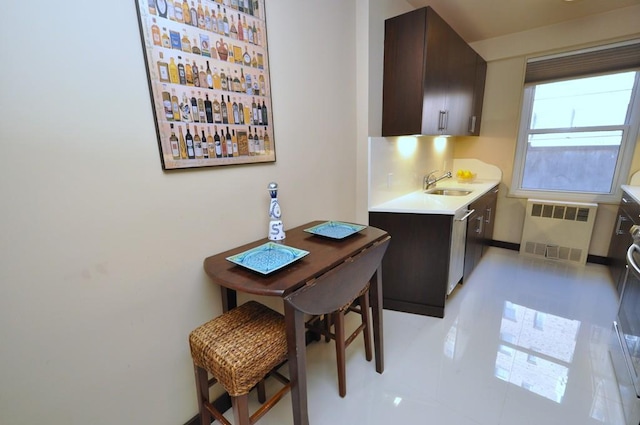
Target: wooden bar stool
point(348, 282)
point(322, 325)
point(239, 349)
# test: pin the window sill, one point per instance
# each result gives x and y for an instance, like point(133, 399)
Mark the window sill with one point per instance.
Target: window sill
point(567, 196)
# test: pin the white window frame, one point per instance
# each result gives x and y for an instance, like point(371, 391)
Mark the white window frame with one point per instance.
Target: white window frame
point(623, 165)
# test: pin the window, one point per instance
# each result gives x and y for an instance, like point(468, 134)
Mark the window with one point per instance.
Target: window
point(577, 134)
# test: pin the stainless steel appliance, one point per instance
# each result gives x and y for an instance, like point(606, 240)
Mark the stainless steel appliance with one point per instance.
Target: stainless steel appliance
point(625, 343)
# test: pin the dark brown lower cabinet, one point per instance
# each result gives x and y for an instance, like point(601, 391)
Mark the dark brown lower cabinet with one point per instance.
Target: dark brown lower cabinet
point(415, 269)
point(416, 266)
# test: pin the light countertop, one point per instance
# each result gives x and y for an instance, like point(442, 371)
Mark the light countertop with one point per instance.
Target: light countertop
point(633, 191)
point(419, 202)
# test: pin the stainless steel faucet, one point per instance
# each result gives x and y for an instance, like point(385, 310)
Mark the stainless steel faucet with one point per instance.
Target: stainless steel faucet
point(430, 179)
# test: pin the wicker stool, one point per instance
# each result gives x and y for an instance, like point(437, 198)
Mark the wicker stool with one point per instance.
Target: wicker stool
point(239, 349)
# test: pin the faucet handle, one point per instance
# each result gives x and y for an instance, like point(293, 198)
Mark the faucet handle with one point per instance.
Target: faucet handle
point(429, 175)
point(428, 179)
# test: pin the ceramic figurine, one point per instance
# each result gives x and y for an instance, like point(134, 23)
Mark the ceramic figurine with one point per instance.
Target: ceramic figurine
point(276, 228)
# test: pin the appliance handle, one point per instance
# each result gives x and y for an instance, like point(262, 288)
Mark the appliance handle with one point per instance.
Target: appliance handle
point(631, 261)
point(466, 215)
point(625, 352)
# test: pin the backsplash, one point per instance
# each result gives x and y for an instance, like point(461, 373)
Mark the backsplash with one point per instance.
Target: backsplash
point(398, 164)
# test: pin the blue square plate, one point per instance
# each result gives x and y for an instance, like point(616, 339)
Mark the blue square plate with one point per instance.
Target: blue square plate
point(268, 258)
point(335, 229)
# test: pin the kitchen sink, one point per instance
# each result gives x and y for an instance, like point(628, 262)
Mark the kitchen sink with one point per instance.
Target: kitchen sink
point(448, 192)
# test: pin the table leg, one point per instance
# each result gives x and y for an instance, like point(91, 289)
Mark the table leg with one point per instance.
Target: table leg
point(297, 363)
point(229, 299)
point(375, 297)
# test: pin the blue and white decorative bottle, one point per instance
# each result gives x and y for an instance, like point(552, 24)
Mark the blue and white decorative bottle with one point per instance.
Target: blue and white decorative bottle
point(276, 228)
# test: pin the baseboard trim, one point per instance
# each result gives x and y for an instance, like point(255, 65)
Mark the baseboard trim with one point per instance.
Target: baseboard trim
point(505, 245)
point(597, 259)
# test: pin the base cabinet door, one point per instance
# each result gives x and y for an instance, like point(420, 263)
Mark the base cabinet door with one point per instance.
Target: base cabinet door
point(416, 265)
point(480, 230)
point(489, 217)
point(628, 215)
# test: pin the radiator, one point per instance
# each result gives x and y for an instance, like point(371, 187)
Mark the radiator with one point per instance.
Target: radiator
point(558, 230)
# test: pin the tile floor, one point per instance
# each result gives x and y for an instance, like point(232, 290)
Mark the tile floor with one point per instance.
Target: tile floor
point(523, 341)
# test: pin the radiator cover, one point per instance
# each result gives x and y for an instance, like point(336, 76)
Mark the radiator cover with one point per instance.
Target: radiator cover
point(558, 230)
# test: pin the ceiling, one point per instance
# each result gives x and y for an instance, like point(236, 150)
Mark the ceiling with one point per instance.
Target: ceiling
point(482, 19)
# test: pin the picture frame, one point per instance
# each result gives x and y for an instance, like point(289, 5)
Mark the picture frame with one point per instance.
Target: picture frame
point(208, 75)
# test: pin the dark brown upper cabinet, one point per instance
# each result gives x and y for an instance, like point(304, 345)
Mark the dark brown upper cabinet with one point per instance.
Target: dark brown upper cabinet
point(433, 80)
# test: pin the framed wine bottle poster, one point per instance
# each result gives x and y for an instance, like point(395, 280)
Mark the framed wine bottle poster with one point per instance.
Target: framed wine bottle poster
point(208, 71)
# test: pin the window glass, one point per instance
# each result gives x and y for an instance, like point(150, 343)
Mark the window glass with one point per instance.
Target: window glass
point(579, 103)
point(581, 162)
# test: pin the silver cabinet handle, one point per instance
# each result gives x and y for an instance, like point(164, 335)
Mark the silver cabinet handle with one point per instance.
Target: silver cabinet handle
point(621, 219)
point(488, 220)
point(472, 124)
point(441, 120)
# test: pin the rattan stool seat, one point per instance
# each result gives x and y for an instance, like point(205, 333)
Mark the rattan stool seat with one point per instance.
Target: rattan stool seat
point(239, 349)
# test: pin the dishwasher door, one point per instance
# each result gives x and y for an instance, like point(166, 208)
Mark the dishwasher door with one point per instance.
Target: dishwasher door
point(458, 242)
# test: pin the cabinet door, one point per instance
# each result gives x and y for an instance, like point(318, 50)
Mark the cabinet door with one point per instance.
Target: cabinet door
point(439, 60)
point(478, 96)
point(415, 268)
point(460, 87)
point(404, 61)
point(489, 217)
point(620, 241)
point(475, 240)
point(630, 207)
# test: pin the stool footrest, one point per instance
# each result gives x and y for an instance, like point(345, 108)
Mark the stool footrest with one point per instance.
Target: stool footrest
point(273, 400)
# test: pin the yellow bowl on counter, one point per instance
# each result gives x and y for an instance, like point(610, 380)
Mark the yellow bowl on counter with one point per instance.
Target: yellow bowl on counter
point(465, 176)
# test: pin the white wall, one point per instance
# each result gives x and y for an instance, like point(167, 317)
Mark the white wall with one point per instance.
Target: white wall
point(101, 277)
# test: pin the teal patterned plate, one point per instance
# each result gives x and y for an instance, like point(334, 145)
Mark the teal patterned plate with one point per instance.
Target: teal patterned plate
point(268, 258)
point(335, 229)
